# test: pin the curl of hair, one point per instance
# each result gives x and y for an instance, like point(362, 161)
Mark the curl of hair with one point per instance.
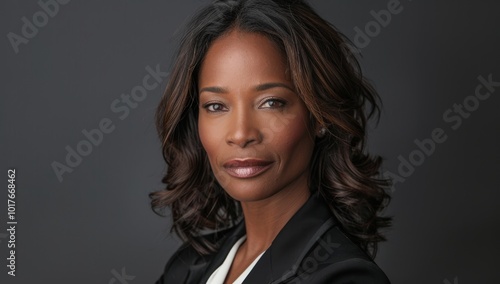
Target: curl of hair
point(327, 77)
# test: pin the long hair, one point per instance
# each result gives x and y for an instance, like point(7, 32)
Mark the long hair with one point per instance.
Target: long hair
point(329, 80)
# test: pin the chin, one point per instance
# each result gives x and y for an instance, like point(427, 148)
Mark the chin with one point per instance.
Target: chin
point(249, 190)
point(248, 193)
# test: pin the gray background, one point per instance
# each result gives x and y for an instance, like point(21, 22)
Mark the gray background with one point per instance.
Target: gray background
point(97, 223)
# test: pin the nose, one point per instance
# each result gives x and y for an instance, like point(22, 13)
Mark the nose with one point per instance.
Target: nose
point(243, 129)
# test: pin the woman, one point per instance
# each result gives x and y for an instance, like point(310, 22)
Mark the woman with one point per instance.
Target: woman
point(263, 127)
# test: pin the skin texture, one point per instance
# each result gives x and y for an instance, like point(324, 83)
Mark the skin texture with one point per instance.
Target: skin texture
point(248, 109)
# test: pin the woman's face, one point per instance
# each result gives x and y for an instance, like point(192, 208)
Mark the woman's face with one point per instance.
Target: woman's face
point(253, 126)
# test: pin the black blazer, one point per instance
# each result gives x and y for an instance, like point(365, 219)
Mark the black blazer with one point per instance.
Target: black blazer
point(311, 248)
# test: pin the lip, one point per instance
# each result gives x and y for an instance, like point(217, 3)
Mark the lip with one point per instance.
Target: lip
point(246, 168)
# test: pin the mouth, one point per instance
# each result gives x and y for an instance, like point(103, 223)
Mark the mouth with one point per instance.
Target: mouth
point(246, 168)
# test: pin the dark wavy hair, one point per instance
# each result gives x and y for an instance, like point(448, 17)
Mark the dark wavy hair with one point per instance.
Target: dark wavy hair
point(327, 77)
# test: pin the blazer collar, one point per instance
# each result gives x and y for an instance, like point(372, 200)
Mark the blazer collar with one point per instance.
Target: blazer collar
point(290, 246)
point(211, 265)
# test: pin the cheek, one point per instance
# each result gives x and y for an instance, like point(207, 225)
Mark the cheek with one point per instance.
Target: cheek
point(208, 137)
point(294, 141)
point(212, 141)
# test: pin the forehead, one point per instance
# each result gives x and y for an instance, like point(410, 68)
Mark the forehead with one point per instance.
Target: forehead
point(239, 57)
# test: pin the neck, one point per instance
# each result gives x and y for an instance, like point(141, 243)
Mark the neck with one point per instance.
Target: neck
point(264, 219)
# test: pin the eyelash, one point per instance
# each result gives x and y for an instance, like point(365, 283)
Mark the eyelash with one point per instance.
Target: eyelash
point(208, 105)
point(280, 101)
point(276, 100)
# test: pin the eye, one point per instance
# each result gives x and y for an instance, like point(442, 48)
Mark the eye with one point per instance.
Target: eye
point(213, 107)
point(273, 103)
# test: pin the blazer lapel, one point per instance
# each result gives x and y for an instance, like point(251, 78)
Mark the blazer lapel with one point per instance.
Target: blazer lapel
point(211, 265)
point(282, 259)
point(196, 272)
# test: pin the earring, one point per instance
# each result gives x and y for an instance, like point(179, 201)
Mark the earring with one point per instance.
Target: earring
point(322, 132)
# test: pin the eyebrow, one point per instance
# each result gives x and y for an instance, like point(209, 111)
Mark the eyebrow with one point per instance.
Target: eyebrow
point(258, 88)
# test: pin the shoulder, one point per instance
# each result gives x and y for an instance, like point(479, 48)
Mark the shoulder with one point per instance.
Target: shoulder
point(334, 258)
point(177, 267)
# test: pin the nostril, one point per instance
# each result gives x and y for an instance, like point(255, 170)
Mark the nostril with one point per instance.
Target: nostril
point(244, 138)
point(245, 142)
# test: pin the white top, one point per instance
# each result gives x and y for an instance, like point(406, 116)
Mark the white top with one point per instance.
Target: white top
point(220, 273)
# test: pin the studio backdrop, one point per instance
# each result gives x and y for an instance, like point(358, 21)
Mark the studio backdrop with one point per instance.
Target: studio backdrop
point(80, 81)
